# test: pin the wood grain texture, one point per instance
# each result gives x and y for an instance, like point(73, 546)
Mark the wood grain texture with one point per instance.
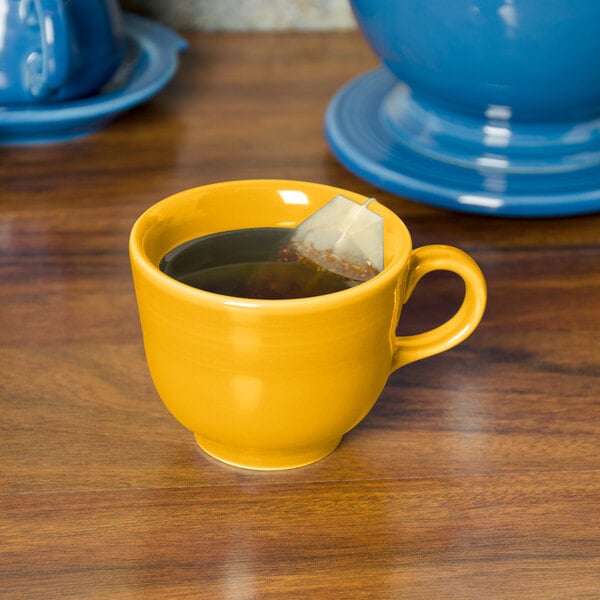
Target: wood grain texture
point(476, 475)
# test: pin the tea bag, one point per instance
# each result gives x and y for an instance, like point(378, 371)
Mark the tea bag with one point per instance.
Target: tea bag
point(342, 237)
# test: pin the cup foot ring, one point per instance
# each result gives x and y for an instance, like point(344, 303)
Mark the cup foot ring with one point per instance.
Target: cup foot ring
point(267, 460)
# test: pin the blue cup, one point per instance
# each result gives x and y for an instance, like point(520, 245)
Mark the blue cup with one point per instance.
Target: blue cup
point(56, 50)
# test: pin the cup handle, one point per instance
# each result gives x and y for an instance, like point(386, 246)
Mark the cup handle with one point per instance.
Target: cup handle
point(48, 69)
point(411, 348)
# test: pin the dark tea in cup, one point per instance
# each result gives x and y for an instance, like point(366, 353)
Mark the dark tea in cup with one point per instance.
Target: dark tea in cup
point(257, 263)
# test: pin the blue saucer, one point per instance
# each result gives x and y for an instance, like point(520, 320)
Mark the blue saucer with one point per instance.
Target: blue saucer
point(374, 147)
point(151, 59)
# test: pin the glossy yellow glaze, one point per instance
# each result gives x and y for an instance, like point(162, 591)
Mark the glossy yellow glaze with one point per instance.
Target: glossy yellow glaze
point(273, 384)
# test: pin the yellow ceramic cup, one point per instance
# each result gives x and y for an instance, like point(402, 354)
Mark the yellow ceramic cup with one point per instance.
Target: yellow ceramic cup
point(275, 384)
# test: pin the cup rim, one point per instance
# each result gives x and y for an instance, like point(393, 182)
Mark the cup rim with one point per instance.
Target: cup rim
point(151, 271)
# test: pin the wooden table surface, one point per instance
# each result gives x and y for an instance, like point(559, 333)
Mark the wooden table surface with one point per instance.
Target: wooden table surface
point(476, 475)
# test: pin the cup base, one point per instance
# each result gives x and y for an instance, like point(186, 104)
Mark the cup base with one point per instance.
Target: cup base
point(267, 460)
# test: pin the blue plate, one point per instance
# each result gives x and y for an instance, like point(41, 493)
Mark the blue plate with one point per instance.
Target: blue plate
point(361, 137)
point(151, 59)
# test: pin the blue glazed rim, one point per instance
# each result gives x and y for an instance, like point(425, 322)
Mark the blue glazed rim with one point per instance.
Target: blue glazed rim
point(151, 59)
point(359, 138)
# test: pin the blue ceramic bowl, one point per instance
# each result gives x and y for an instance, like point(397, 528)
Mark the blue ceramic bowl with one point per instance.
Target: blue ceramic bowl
point(539, 60)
